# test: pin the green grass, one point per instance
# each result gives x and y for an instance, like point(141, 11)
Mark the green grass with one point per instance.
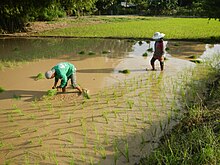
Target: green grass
point(142, 27)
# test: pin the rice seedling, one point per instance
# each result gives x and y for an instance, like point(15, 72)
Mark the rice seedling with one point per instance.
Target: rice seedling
point(18, 133)
point(83, 156)
point(106, 138)
point(27, 159)
point(116, 152)
point(40, 76)
point(102, 152)
point(54, 157)
point(17, 111)
point(70, 139)
point(10, 118)
point(105, 115)
point(91, 53)
point(72, 161)
point(83, 124)
point(140, 43)
point(193, 57)
point(81, 52)
point(130, 103)
point(85, 141)
point(1, 89)
point(126, 151)
point(16, 97)
point(145, 54)
point(125, 71)
point(106, 51)
point(150, 49)
point(70, 119)
point(167, 48)
point(40, 141)
point(91, 161)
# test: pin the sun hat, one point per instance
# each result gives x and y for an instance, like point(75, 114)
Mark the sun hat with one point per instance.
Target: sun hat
point(49, 74)
point(158, 35)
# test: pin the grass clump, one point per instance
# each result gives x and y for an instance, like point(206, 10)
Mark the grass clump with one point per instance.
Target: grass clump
point(125, 71)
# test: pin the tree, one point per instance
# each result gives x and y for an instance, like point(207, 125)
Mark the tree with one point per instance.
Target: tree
point(103, 5)
point(15, 13)
point(160, 7)
point(80, 6)
point(212, 8)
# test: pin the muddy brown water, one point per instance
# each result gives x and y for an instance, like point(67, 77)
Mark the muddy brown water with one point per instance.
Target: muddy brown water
point(124, 118)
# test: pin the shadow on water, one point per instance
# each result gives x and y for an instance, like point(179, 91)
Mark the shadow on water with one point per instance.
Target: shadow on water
point(22, 94)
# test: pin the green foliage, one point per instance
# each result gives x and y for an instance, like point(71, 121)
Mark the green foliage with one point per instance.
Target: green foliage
point(50, 13)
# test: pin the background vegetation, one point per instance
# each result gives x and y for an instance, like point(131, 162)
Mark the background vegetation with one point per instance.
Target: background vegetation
point(15, 14)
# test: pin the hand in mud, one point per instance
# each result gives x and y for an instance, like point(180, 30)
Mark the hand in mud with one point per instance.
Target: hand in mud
point(79, 93)
point(59, 88)
point(53, 87)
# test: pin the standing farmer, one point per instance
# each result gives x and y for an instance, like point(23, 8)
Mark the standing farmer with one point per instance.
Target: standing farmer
point(158, 50)
point(63, 71)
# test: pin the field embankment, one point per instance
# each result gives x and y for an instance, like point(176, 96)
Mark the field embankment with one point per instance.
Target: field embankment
point(198, 29)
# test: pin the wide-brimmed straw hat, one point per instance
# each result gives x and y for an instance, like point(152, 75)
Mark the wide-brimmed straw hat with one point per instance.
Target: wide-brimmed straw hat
point(49, 74)
point(158, 35)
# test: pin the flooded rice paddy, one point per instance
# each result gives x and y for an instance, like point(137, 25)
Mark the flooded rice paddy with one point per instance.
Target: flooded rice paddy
point(123, 120)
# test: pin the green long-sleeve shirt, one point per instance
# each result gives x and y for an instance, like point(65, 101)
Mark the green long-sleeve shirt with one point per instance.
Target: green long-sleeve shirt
point(62, 71)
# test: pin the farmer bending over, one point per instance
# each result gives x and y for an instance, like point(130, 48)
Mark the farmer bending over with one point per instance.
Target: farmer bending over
point(158, 50)
point(63, 71)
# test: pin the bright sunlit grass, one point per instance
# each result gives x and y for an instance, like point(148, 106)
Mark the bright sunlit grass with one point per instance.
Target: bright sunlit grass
point(174, 28)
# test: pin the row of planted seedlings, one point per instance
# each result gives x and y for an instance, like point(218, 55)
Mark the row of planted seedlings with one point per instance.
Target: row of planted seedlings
point(115, 126)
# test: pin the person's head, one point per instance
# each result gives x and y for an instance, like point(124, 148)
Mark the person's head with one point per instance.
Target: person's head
point(158, 36)
point(50, 74)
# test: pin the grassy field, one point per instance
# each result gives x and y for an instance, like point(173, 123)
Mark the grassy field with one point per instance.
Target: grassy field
point(139, 27)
